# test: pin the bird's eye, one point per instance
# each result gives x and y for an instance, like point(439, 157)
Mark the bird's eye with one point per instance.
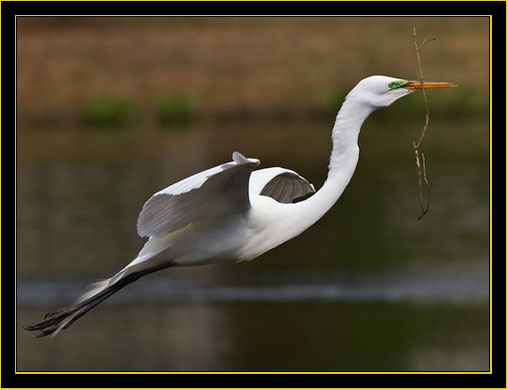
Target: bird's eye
point(397, 84)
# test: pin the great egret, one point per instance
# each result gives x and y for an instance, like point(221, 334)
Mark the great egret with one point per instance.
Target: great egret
point(234, 212)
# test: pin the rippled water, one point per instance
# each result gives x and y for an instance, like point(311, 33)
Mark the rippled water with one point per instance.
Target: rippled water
point(320, 287)
point(368, 288)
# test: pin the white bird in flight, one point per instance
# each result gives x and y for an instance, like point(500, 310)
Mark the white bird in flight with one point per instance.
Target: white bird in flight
point(235, 212)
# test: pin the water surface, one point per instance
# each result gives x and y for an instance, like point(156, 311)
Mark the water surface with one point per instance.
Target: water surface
point(368, 288)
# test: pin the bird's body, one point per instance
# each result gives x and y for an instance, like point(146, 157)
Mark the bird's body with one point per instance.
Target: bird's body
point(236, 212)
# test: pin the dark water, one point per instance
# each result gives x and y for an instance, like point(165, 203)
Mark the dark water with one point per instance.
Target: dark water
point(368, 288)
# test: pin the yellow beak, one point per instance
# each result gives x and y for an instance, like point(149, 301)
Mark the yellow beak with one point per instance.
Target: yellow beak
point(416, 85)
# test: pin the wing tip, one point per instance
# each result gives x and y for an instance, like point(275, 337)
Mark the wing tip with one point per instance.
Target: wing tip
point(239, 158)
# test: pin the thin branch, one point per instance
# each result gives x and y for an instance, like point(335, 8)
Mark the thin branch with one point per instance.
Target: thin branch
point(422, 178)
point(426, 40)
point(421, 168)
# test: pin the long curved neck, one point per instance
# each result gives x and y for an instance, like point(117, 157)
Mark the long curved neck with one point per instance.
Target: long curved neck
point(293, 218)
point(343, 159)
point(346, 130)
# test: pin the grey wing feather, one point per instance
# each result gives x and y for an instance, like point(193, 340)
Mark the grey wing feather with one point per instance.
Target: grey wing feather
point(215, 193)
point(287, 187)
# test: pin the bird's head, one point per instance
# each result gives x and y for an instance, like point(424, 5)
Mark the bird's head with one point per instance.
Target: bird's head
point(381, 91)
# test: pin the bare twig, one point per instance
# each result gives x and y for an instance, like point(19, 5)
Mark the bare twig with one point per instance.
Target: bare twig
point(421, 168)
point(422, 178)
point(426, 40)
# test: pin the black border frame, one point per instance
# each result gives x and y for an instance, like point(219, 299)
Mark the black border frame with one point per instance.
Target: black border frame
point(497, 378)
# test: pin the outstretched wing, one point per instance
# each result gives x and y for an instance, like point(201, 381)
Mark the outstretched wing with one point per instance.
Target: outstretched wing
point(216, 193)
point(283, 185)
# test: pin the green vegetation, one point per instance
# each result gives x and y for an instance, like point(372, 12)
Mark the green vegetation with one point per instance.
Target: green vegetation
point(106, 111)
point(463, 101)
point(177, 111)
point(332, 104)
point(174, 111)
point(470, 100)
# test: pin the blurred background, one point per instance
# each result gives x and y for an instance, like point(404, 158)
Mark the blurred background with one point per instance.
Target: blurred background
point(111, 110)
